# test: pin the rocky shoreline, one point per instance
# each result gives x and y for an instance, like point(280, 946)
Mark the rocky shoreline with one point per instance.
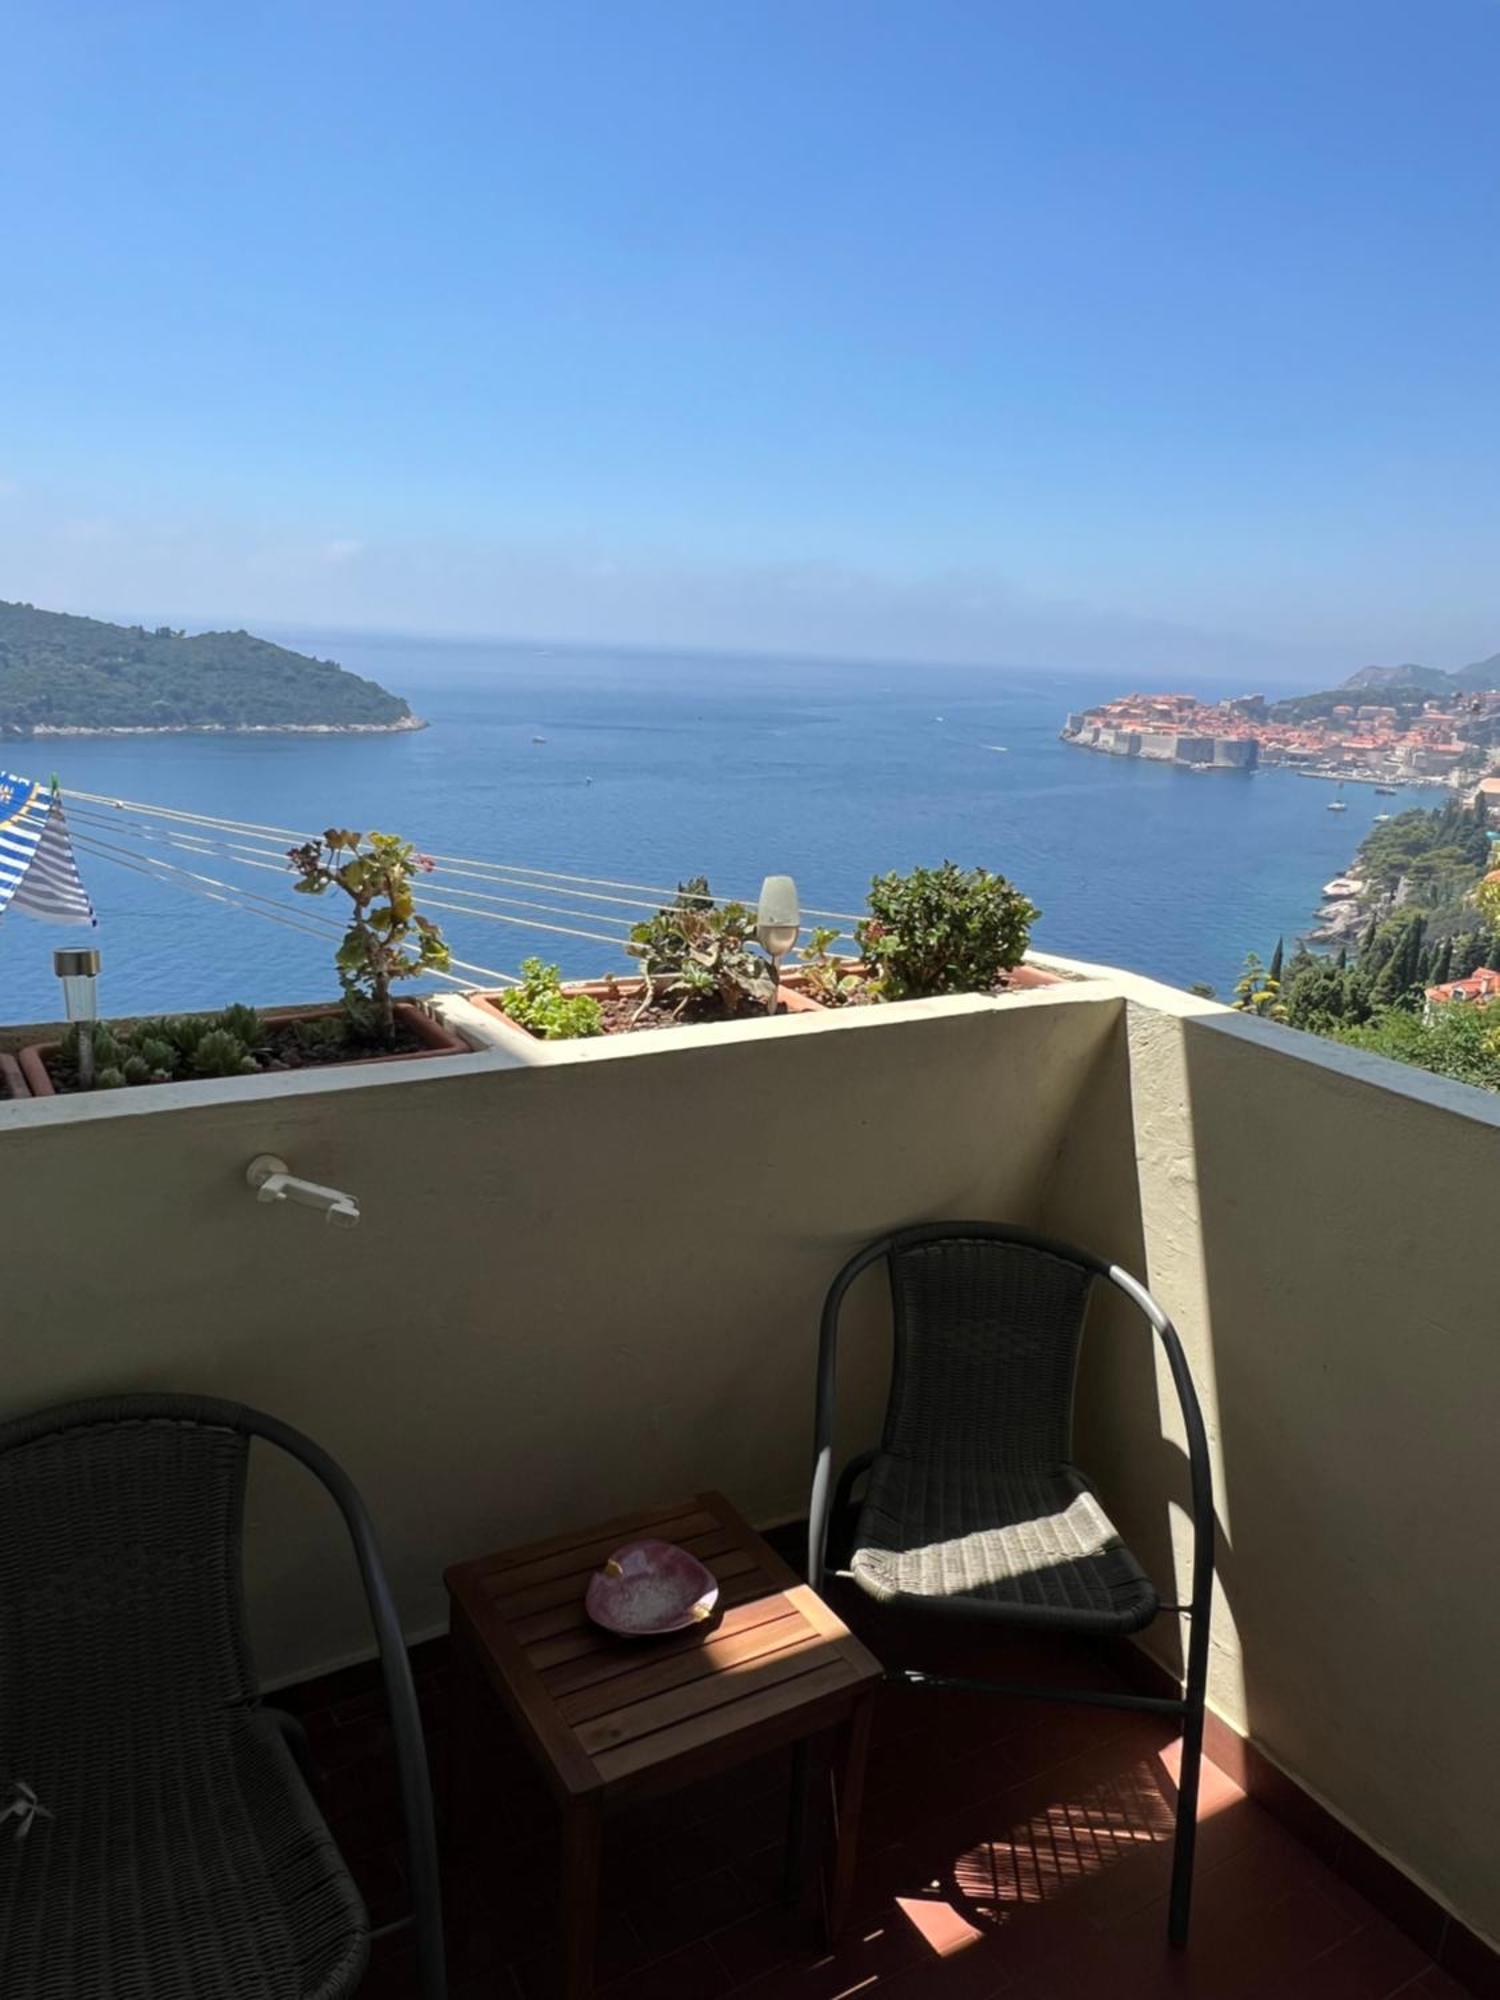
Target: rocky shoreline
point(401, 726)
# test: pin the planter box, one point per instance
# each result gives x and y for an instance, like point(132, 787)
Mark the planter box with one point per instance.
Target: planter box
point(436, 1039)
point(788, 1001)
point(1023, 978)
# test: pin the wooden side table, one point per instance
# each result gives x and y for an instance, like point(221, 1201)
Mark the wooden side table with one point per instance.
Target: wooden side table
point(615, 1720)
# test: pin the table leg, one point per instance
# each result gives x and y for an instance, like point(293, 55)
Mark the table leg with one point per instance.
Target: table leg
point(794, 1872)
point(583, 1835)
point(468, 1733)
point(849, 1801)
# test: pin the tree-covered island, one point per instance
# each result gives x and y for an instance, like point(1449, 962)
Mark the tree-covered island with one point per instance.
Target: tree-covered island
point(61, 675)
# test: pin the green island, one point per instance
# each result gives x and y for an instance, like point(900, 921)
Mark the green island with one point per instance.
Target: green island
point(1425, 912)
point(67, 676)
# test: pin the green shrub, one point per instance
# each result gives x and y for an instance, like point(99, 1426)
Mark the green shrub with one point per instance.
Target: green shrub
point(540, 1004)
point(944, 930)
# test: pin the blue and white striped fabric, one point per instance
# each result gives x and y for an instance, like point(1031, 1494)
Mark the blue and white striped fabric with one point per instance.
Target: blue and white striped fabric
point(38, 873)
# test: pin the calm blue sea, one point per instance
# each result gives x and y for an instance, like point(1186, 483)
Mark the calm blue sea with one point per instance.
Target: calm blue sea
point(656, 767)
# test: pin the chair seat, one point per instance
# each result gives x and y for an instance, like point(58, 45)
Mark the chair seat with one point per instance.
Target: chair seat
point(954, 1531)
point(185, 1860)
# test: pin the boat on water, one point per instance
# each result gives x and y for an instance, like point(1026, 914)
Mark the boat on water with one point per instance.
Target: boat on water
point(1337, 806)
point(1381, 818)
point(1388, 790)
point(538, 739)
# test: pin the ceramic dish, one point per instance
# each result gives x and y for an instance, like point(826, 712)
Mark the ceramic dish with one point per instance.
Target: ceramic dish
point(648, 1587)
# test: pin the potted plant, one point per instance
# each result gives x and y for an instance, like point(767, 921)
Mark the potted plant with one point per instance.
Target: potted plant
point(828, 977)
point(387, 940)
point(698, 963)
point(542, 1008)
point(388, 937)
point(947, 930)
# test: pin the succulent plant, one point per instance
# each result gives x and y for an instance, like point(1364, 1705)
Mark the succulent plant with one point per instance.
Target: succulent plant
point(696, 951)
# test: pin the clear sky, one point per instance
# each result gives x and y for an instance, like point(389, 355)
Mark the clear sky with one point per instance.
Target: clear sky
point(1063, 333)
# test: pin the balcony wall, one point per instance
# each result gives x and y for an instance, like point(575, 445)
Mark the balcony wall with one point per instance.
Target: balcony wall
point(596, 1281)
point(1317, 1222)
point(576, 1287)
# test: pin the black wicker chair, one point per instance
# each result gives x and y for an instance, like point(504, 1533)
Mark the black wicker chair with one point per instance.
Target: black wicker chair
point(178, 1852)
point(974, 1506)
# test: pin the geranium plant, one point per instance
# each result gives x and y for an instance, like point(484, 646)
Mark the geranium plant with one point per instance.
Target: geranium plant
point(388, 938)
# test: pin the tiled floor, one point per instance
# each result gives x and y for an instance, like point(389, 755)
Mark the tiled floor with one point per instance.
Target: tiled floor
point(1012, 1849)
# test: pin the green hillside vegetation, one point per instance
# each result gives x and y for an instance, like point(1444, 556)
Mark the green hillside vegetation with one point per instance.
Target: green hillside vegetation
point(61, 672)
point(1375, 998)
point(1482, 675)
point(1408, 675)
point(1404, 688)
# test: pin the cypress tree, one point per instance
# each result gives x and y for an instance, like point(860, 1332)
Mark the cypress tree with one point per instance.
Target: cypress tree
point(1442, 959)
point(1276, 955)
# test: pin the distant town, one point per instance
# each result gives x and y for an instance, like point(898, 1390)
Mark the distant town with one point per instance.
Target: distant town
point(1444, 740)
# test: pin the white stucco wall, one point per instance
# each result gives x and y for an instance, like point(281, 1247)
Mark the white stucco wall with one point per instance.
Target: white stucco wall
point(575, 1289)
point(595, 1282)
point(1318, 1223)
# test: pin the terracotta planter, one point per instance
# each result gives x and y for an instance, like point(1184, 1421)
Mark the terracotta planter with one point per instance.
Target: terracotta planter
point(12, 1078)
point(789, 1001)
point(1024, 978)
point(436, 1039)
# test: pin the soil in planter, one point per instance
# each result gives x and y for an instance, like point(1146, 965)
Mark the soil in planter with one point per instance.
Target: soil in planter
point(283, 1050)
point(620, 1017)
point(287, 1050)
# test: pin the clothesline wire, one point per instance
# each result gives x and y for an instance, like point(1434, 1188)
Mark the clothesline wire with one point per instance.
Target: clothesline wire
point(249, 857)
point(549, 875)
point(255, 858)
point(431, 902)
point(212, 890)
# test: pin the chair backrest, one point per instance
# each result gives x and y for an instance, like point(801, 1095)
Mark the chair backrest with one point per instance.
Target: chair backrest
point(987, 1331)
point(120, 1589)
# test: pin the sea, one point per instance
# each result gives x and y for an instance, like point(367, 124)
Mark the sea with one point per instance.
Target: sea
point(641, 769)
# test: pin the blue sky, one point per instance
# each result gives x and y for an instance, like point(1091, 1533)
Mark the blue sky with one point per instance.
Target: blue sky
point(1062, 335)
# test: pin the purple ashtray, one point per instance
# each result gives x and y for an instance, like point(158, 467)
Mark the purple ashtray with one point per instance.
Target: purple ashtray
point(650, 1586)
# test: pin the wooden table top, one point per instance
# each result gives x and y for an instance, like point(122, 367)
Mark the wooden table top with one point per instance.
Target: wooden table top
point(611, 1714)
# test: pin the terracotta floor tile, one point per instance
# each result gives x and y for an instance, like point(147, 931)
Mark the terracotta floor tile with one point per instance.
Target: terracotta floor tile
point(1012, 1851)
point(1376, 1962)
point(1435, 1984)
point(692, 1974)
point(861, 1966)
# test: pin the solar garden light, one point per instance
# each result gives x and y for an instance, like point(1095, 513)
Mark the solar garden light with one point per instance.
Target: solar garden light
point(79, 973)
point(778, 924)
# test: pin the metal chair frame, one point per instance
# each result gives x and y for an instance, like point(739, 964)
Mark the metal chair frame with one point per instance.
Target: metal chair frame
point(830, 1502)
point(411, 1753)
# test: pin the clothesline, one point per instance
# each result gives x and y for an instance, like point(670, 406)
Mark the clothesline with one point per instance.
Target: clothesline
point(489, 869)
point(242, 844)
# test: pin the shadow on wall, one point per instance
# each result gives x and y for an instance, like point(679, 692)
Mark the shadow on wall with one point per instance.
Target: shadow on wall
point(1347, 1306)
point(1129, 1435)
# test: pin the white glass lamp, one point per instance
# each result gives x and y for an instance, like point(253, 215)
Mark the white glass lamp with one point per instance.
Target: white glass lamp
point(778, 922)
point(79, 973)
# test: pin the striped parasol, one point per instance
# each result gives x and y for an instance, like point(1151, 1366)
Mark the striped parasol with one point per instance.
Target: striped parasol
point(38, 872)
